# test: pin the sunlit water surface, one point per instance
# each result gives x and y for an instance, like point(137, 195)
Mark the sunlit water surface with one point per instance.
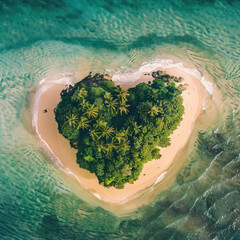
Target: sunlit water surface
point(39, 39)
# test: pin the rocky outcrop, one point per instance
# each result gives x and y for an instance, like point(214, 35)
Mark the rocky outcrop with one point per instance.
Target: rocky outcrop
point(97, 79)
point(165, 77)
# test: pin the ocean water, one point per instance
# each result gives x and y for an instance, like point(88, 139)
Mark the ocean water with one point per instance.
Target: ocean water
point(42, 38)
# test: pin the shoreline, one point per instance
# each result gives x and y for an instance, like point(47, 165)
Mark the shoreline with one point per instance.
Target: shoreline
point(58, 147)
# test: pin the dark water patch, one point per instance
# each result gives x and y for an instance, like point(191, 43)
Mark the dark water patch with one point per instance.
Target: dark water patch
point(92, 43)
point(113, 6)
point(13, 46)
point(76, 220)
point(10, 5)
point(25, 22)
point(193, 3)
point(147, 41)
point(168, 233)
point(152, 40)
point(82, 41)
point(97, 43)
point(43, 4)
point(231, 2)
point(50, 226)
point(200, 3)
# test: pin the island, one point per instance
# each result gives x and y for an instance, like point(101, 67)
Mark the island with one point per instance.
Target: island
point(123, 185)
point(116, 131)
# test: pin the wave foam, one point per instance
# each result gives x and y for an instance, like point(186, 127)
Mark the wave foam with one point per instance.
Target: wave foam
point(124, 74)
point(160, 178)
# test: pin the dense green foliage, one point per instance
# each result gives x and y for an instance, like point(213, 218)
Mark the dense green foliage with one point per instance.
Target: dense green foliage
point(117, 131)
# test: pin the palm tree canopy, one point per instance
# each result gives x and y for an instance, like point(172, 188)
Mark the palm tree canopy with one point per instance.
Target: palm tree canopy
point(94, 134)
point(122, 108)
point(121, 136)
point(155, 110)
point(82, 93)
point(121, 94)
point(125, 146)
point(83, 123)
point(79, 94)
point(106, 132)
point(91, 111)
point(111, 105)
point(136, 128)
point(110, 147)
point(72, 120)
point(100, 124)
point(101, 147)
point(108, 96)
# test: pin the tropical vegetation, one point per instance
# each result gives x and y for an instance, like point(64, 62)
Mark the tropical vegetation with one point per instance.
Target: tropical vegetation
point(116, 131)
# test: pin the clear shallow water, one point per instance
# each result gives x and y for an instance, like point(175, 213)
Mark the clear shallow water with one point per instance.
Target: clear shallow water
point(42, 38)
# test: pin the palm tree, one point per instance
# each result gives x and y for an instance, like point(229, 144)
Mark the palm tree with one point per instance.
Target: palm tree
point(106, 132)
point(101, 147)
point(124, 146)
point(91, 111)
point(111, 105)
point(121, 136)
point(83, 123)
point(154, 111)
point(82, 93)
point(136, 128)
point(100, 124)
point(122, 107)
point(110, 147)
point(121, 94)
point(108, 96)
point(94, 134)
point(72, 120)
point(85, 105)
point(79, 95)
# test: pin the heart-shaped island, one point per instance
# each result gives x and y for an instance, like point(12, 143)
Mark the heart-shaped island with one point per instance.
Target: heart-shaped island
point(109, 134)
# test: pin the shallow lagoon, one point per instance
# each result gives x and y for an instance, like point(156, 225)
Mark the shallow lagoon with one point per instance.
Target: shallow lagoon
point(44, 38)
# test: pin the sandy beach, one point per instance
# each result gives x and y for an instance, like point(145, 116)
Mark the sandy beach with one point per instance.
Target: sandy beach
point(153, 171)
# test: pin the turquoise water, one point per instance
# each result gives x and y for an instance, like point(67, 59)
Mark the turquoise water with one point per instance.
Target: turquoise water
point(41, 38)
